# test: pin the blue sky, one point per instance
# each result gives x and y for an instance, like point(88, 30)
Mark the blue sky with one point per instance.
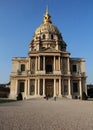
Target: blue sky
point(20, 18)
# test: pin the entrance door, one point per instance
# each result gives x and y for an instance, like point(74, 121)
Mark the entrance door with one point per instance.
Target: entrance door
point(49, 91)
point(21, 88)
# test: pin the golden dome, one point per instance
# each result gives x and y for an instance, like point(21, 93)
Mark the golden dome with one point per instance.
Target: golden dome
point(47, 26)
point(47, 35)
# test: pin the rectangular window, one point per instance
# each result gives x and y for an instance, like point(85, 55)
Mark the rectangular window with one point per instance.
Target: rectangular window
point(22, 67)
point(74, 68)
point(75, 87)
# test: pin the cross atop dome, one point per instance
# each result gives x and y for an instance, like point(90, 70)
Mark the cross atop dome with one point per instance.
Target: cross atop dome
point(47, 17)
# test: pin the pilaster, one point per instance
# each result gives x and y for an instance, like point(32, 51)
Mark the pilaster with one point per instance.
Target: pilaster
point(16, 88)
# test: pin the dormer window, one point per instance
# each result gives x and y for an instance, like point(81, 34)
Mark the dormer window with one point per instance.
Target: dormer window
point(44, 36)
point(22, 67)
point(52, 37)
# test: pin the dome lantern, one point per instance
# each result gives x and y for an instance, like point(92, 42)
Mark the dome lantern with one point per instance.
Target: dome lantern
point(47, 17)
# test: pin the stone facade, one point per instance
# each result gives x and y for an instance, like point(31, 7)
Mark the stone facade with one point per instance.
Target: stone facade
point(48, 70)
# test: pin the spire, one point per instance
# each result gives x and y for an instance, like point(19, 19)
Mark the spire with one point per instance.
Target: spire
point(47, 17)
point(47, 9)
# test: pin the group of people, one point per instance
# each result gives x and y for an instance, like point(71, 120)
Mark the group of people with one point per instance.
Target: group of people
point(47, 97)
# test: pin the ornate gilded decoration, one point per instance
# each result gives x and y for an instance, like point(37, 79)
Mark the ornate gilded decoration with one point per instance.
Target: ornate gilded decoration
point(47, 17)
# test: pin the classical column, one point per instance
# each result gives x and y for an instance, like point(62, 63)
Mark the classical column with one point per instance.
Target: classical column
point(28, 86)
point(29, 64)
point(54, 87)
point(68, 65)
point(54, 63)
point(43, 63)
point(80, 88)
point(59, 86)
point(69, 87)
point(25, 87)
point(43, 87)
point(38, 62)
point(35, 87)
point(38, 86)
point(59, 62)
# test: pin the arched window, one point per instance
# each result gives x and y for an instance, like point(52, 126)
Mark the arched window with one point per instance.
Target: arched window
point(44, 36)
point(22, 67)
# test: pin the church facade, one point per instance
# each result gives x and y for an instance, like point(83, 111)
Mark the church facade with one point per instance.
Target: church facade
point(48, 70)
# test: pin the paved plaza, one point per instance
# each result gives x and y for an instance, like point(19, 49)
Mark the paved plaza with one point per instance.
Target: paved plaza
point(42, 114)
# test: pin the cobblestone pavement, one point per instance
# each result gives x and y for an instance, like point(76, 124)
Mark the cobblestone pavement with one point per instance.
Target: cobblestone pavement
point(40, 114)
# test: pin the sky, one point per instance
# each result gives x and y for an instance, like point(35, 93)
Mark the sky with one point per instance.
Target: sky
point(20, 18)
